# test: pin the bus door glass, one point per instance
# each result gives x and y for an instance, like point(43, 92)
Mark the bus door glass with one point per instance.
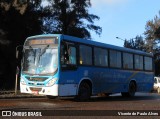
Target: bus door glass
point(68, 56)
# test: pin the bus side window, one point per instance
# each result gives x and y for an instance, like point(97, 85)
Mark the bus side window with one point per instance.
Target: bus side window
point(63, 54)
point(68, 54)
point(72, 55)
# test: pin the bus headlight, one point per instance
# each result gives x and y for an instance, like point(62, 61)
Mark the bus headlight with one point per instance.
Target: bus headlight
point(52, 82)
point(23, 81)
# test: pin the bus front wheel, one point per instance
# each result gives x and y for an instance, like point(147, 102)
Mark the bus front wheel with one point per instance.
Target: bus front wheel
point(84, 92)
point(132, 90)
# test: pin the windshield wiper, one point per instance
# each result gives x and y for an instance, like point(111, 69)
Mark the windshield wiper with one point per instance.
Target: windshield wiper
point(39, 56)
point(43, 50)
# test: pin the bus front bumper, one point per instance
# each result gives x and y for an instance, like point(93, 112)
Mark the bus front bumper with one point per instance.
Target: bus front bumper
point(53, 90)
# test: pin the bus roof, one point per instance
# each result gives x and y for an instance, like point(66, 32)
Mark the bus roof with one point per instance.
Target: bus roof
point(91, 42)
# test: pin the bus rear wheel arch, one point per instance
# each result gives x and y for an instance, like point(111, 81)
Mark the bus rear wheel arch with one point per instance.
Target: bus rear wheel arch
point(84, 91)
point(131, 90)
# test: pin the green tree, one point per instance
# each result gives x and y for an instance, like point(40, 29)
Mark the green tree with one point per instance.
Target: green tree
point(22, 19)
point(135, 43)
point(152, 34)
point(18, 20)
point(71, 17)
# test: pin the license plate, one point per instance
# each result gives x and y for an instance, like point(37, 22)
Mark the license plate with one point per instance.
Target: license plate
point(35, 92)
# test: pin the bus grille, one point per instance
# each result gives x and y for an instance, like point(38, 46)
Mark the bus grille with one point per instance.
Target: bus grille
point(36, 78)
point(35, 89)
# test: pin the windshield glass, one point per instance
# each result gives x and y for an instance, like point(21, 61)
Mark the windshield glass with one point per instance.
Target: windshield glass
point(40, 60)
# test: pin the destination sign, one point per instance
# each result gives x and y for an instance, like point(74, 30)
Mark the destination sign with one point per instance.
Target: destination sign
point(42, 41)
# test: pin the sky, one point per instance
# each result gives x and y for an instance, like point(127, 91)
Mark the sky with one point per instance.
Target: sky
point(122, 18)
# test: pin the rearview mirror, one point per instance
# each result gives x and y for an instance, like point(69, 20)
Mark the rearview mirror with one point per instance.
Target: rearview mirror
point(18, 51)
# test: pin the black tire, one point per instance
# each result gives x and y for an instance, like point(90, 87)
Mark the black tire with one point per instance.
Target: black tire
point(84, 92)
point(124, 94)
point(51, 97)
point(132, 90)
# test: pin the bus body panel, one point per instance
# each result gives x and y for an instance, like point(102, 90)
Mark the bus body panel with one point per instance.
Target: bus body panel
point(107, 80)
point(53, 90)
point(68, 83)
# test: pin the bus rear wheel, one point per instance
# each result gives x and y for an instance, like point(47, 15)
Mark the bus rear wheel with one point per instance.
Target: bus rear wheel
point(84, 92)
point(132, 90)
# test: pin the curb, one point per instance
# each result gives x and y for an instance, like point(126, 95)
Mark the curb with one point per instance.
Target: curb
point(19, 96)
point(12, 95)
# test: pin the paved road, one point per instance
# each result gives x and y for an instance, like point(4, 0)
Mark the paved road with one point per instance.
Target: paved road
point(142, 103)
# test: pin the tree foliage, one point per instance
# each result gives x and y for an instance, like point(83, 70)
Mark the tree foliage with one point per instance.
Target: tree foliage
point(152, 34)
point(18, 25)
point(71, 17)
point(18, 20)
point(22, 18)
point(152, 37)
point(135, 43)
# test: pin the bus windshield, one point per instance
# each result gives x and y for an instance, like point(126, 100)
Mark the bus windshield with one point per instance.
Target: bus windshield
point(40, 60)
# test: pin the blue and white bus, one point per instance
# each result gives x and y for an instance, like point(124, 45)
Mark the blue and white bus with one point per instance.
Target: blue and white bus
point(60, 65)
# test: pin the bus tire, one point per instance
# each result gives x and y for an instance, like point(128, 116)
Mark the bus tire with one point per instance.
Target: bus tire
point(132, 90)
point(51, 97)
point(84, 92)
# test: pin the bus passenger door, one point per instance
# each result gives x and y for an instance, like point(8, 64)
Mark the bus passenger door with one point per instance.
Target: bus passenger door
point(68, 75)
